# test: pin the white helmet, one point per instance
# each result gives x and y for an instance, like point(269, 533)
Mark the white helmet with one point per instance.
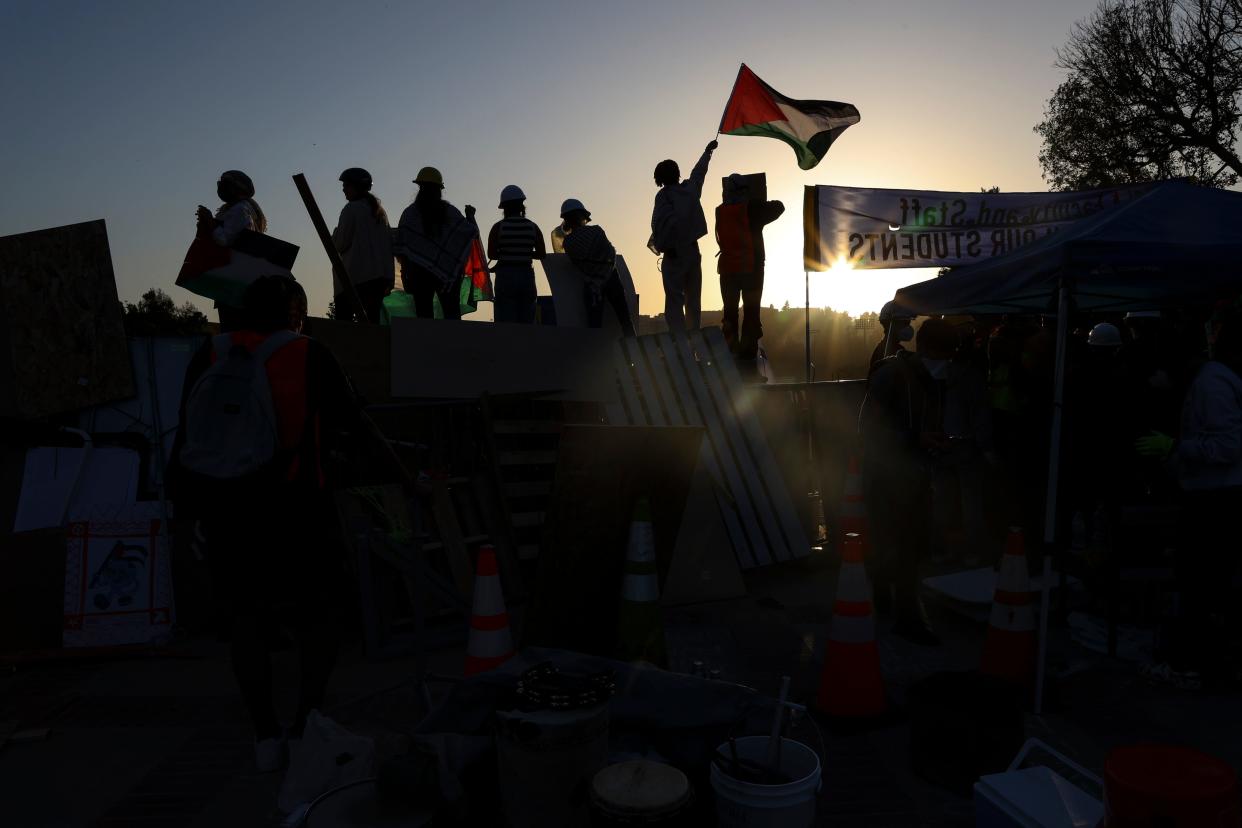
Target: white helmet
point(1104, 335)
point(572, 205)
point(511, 192)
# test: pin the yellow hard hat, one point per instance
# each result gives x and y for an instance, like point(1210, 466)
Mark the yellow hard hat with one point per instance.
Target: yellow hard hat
point(429, 175)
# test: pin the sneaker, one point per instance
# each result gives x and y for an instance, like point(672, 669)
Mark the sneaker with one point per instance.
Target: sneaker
point(271, 755)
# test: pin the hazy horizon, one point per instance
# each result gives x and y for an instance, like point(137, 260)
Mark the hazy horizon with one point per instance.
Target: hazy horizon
point(130, 110)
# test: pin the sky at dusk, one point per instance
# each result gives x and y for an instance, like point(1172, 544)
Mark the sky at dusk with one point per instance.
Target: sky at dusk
point(128, 111)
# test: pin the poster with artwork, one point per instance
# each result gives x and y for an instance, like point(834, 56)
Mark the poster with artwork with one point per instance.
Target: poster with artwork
point(118, 581)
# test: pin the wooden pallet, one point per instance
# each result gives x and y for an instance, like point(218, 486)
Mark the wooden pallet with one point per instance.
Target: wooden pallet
point(694, 381)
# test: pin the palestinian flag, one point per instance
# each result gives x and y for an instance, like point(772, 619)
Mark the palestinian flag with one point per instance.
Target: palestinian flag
point(809, 127)
point(224, 273)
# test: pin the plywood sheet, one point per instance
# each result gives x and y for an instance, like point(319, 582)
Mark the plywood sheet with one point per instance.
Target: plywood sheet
point(461, 360)
point(601, 473)
point(565, 282)
point(63, 341)
point(363, 351)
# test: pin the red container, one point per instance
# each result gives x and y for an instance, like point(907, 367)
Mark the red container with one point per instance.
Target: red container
point(1162, 785)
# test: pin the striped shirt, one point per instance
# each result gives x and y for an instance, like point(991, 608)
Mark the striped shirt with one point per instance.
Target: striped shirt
point(516, 239)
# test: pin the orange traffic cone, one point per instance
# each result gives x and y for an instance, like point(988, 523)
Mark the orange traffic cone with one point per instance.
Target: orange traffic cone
point(640, 622)
point(1010, 646)
point(490, 643)
point(853, 517)
point(851, 684)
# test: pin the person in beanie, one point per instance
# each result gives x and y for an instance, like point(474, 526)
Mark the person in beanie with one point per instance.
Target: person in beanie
point(364, 240)
point(514, 243)
point(596, 259)
point(237, 212)
point(433, 245)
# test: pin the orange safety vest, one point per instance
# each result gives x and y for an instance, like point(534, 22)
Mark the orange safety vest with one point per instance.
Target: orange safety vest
point(286, 371)
point(737, 245)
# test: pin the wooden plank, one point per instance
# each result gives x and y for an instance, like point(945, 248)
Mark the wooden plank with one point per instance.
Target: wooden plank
point(662, 391)
point(718, 427)
point(777, 494)
point(526, 458)
point(451, 536)
point(62, 339)
point(528, 488)
point(526, 427)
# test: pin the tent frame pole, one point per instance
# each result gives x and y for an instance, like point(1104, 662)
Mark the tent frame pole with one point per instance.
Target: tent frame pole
point(1050, 504)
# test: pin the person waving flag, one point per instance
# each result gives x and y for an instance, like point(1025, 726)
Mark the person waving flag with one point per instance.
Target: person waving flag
point(810, 127)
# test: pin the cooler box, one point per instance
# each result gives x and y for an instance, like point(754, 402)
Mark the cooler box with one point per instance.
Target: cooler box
point(1034, 797)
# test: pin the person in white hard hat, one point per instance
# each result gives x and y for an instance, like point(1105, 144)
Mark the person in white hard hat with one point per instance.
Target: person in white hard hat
point(596, 259)
point(514, 243)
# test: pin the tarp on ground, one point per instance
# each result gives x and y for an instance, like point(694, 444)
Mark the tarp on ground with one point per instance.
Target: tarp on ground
point(1176, 242)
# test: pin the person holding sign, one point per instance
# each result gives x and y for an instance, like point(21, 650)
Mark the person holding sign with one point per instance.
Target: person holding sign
point(677, 224)
point(739, 232)
point(239, 211)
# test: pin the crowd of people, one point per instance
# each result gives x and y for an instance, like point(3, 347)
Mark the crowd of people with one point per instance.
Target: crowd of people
point(430, 247)
point(956, 437)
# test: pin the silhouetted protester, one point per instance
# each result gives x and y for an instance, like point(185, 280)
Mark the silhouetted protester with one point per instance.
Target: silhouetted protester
point(239, 211)
point(895, 323)
point(1206, 459)
point(364, 240)
point(903, 430)
point(514, 243)
point(433, 244)
point(262, 410)
point(596, 259)
point(677, 224)
point(739, 232)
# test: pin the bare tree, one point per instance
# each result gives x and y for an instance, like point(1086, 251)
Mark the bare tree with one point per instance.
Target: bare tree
point(1152, 93)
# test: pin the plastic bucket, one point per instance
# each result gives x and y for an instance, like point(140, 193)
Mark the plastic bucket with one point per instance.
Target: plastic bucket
point(791, 805)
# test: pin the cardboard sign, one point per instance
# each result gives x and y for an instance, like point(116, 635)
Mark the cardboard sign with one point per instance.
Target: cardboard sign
point(118, 581)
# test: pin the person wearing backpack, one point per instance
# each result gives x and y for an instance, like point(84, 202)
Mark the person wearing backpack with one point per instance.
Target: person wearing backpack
point(740, 220)
point(588, 248)
point(261, 409)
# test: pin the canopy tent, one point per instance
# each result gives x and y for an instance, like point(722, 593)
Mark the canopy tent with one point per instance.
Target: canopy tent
point(1176, 242)
point(1172, 243)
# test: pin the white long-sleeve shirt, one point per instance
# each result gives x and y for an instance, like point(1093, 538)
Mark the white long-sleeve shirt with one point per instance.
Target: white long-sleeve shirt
point(677, 220)
point(233, 219)
point(365, 244)
point(1209, 452)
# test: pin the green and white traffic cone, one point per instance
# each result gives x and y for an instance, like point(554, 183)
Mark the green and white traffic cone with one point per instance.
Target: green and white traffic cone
point(640, 626)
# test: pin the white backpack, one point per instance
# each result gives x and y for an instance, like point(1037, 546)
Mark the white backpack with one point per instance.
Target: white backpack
point(230, 420)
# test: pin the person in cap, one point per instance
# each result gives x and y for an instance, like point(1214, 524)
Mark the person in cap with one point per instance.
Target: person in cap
point(433, 245)
point(364, 239)
point(514, 243)
point(596, 259)
point(237, 212)
point(677, 224)
point(895, 323)
point(739, 232)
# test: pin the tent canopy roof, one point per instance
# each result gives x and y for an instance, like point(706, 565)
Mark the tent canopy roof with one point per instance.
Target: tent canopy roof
point(1177, 241)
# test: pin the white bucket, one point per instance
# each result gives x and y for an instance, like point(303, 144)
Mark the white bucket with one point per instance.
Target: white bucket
point(749, 804)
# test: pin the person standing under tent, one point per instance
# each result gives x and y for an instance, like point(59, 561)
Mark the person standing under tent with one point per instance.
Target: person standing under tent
point(364, 239)
point(1206, 460)
point(903, 430)
point(895, 322)
point(514, 243)
point(739, 232)
point(255, 474)
point(677, 224)
point(239, 211)
point(432, 245)
point(596, 259)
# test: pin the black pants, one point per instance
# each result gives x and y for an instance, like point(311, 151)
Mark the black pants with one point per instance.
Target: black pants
point(425, 286)
point(748, 288)
point(277, 567)
point(515, 293)
point(1205, 568)
point(371, 294)
point(612, 294)
point(898, 510)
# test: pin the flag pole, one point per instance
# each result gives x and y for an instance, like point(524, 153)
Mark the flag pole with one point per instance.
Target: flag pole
point(807, 274)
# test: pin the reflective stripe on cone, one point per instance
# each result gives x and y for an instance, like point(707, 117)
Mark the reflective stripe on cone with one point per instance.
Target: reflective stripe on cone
point(490, 643)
